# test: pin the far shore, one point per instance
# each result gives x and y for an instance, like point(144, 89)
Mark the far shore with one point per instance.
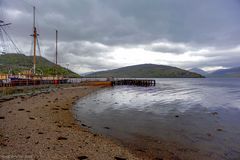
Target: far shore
point(42, 126)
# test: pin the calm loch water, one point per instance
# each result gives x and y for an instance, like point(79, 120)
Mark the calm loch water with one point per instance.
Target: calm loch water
point(179, 118)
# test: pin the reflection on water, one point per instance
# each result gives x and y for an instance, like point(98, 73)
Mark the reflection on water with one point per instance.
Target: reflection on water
point(187, 118)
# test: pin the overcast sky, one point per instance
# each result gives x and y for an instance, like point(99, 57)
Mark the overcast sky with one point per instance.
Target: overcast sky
point(105, 34)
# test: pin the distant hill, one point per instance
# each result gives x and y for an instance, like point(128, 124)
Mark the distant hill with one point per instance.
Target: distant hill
point(226, 73)
point(87, 73)
point(199, 71)
point(147, 71)
point(19, 62)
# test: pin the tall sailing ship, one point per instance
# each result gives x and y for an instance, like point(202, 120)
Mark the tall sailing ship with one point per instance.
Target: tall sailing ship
point(34, 75)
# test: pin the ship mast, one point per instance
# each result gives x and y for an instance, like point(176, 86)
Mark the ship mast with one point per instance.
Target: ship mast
point(34, 41)
point(56, 47)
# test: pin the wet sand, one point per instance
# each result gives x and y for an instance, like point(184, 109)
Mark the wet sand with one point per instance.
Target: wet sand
point(43, 127)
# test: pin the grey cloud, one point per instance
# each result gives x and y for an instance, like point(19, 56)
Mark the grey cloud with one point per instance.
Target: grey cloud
point(108, 24)
point(87, 49)
point(226, 59)
point(130, 21)
point(91, 63)
point(167, 47)
point(81, 55)
point(79, 48)
point(201, 22)
point(167, 50)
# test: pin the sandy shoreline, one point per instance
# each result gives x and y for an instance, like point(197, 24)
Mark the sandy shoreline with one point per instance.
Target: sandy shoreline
point(42, 127)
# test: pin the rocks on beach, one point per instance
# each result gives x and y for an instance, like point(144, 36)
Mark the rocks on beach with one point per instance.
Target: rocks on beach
point(119, 158)
point(82, 157)
point(46, 131)
point(32, 118)
point(61, 138)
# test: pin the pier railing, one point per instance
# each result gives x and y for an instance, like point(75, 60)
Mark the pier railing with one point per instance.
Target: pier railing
point(135, 82)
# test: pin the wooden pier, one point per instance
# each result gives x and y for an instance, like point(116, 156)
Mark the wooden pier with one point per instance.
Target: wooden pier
point(79, 81)
point(134, 82)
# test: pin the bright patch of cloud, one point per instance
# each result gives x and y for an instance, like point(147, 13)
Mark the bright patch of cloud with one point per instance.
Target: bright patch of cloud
point(14, 14)
point(213, 68)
